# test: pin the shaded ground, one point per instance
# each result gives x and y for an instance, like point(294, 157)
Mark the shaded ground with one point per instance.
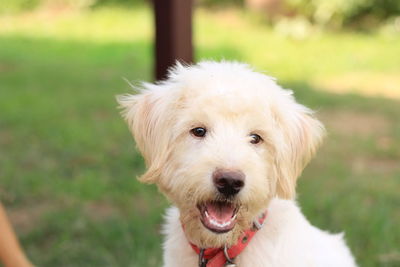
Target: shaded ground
point(67, 161)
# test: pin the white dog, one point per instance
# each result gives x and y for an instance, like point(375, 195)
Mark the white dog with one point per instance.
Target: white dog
point(226, 144)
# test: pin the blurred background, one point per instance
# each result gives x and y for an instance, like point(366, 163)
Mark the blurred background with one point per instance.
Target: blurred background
point(67, 160)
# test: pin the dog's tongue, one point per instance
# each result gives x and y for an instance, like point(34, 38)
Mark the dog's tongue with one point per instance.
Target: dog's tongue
point(221, 212)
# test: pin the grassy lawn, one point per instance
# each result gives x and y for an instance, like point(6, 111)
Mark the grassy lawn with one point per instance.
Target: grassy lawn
point(68, 163)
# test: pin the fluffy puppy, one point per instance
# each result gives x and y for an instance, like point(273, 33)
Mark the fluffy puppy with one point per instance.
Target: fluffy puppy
point(225, 144)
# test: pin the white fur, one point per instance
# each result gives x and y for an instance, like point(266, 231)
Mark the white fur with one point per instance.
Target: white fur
point(232, 102)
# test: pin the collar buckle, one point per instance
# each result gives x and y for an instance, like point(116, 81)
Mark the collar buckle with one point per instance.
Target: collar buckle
point(229, 261)
point(202, 260)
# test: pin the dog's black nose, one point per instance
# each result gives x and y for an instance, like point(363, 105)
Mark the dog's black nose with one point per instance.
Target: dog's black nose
point(228, 182)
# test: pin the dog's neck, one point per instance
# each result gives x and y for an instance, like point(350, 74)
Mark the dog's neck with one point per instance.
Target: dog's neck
point(218, 257)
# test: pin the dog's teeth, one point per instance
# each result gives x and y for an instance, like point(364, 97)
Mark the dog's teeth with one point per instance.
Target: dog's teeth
point(220, 225)
point(234, 217)
point(206, 213)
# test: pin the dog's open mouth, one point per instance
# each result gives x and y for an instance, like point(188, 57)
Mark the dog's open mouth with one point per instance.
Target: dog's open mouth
point(218, 216)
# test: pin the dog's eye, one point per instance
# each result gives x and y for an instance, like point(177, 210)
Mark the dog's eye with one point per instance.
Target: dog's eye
point(255, 138)
point(198, 131)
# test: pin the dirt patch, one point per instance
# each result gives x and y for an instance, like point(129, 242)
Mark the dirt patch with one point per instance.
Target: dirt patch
point(5, 136)
point(375, 165)
point(390, 257)
point(25, 219)
point(353, 123)
point(6, 67)
point(364, 83)
point(102, 210)
point(99, 211)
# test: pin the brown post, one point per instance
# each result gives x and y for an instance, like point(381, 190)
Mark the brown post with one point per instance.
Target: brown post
point(173, 21)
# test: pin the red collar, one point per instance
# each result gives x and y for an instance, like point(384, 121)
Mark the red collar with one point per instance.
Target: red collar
point(218, 257)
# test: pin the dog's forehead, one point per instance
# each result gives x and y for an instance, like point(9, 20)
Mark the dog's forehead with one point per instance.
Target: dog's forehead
point(223, 102)
point(229, 85)
point(227, 90)
point(226, 95)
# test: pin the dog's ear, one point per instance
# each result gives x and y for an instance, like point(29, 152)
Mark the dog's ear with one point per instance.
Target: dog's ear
point(302, 134)
point(147, 118)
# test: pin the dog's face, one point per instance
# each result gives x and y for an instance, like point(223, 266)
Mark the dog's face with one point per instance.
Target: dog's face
point(220, 141)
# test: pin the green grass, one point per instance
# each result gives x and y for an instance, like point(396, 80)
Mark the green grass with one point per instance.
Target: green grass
point(67, 160)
